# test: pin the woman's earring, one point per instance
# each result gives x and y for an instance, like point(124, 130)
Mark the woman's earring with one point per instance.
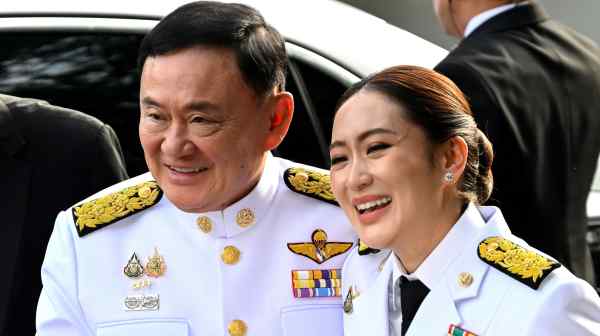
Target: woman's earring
point(448, 177)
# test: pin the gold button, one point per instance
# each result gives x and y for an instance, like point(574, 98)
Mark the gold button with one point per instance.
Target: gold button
point(465, 279)
point(245, 218)
point(230, 255)
point(204, 223)
point(237, 328)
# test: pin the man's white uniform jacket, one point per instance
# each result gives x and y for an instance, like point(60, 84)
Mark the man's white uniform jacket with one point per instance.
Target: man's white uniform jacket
point(229, 272)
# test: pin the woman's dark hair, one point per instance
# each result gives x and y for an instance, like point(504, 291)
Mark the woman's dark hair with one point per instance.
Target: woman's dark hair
point(436, 104)
point(259, 48)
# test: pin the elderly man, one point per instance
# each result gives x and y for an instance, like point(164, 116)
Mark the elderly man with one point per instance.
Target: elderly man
point(220, 237)
point(534, 85)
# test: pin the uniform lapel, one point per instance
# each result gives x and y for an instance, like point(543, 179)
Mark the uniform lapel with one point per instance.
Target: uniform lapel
point(437, 311)
point(372, 306)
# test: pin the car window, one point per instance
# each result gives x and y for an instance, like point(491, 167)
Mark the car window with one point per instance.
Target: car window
point(314, 92)
point(92, 73)
point(96, 74)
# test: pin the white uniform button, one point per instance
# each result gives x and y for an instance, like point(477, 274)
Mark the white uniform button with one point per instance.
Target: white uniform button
point(230, 255)
point(204, 223)
point(245, 217)
point(237, 328)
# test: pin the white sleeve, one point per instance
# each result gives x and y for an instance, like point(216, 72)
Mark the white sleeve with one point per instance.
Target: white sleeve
point(59, 312)
point(573, 308)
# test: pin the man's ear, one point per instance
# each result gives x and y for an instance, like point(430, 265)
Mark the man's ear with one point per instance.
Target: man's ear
point(454, 158)
point(282, 110)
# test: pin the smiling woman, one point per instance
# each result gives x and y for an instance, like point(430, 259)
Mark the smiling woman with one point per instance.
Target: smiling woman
point(411, 170)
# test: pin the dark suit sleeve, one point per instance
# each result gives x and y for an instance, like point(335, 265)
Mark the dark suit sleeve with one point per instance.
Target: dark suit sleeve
point(478, 93)
point(107, 165)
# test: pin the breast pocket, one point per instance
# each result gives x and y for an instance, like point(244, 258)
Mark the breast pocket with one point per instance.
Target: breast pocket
point(153, 327)
point(302, 320)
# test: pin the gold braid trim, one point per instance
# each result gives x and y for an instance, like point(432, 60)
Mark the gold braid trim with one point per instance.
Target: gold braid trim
point(526, 266)
point(110, 208)
point(310, 183)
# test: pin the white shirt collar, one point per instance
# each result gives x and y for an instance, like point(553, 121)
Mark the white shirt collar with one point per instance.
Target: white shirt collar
point(258, 201)
point(482, 17)
point(466, 229)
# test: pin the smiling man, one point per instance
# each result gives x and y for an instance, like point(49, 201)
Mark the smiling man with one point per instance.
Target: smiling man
point(220, 237)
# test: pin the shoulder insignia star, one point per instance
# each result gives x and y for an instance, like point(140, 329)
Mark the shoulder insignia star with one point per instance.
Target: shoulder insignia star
point(319, 250)
point(310, 183)
point(363, 249)
point(95, 214)
point(513, 260)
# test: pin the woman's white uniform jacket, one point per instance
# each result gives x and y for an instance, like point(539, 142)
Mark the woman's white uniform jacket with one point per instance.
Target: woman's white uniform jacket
point(129, 263)
point(477, 285)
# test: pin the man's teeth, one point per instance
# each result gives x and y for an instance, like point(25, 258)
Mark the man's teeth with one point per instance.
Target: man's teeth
point(186, 170)
point(373, 204)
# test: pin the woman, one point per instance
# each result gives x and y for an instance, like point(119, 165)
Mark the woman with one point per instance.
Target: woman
point(410, 169)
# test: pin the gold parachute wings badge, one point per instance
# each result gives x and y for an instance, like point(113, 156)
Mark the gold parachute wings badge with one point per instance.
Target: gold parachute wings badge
point(319, 250)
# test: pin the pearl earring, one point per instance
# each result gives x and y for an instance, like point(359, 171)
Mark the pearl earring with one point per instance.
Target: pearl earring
point(448, 177)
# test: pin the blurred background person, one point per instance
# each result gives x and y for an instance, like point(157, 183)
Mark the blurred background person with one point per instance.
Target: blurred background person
point(533, 85)
point(50, 158)
point(411, 169)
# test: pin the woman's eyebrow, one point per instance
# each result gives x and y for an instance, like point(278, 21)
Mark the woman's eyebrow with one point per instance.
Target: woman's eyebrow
point(363, 136)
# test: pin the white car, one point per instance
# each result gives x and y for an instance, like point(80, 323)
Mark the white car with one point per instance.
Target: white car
point(82, 54)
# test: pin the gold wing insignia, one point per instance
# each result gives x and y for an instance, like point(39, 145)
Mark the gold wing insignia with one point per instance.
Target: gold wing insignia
point(333, 249)
point(526, 266)
point(111, 208)
point(310, 183)
point(308, 250)
point(319, 250)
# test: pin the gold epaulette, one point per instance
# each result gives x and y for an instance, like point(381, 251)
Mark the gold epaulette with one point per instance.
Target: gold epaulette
point(98, 213)
point(513, 260)
point(310, 183)
point(364, 249)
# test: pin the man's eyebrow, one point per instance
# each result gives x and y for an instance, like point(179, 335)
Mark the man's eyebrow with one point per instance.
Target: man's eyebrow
point(147, 101)
point(363, 136)
point(202, 106)
point(193, 106)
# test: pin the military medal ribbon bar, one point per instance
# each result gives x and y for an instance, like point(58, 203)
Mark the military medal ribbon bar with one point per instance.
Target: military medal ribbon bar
point(454, 330)
point(316, 283)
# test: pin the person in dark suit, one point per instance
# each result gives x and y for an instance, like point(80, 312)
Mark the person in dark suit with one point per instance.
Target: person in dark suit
point(534, 87)
point(50, 158)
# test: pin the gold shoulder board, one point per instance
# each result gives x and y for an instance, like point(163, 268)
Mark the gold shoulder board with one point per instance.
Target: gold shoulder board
point(98, 213)
point(310, 183)
point(364, 249)
point(513, 260)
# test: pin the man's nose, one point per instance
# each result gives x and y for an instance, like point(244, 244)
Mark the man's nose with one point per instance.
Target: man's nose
point(177, 141)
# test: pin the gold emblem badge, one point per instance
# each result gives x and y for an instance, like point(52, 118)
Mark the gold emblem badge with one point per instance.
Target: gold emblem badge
point(134, 268)
point(155, 266)
point(319, 250)
point(465, 279)
point(245, 218)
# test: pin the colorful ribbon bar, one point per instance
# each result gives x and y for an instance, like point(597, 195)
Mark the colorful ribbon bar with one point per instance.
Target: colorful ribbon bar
point(454, 330)
point(316, 274)
point(319, 283)
point(316, 283)
point(317, 292)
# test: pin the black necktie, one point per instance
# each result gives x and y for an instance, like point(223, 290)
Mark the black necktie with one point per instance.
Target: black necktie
point(412, 293)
